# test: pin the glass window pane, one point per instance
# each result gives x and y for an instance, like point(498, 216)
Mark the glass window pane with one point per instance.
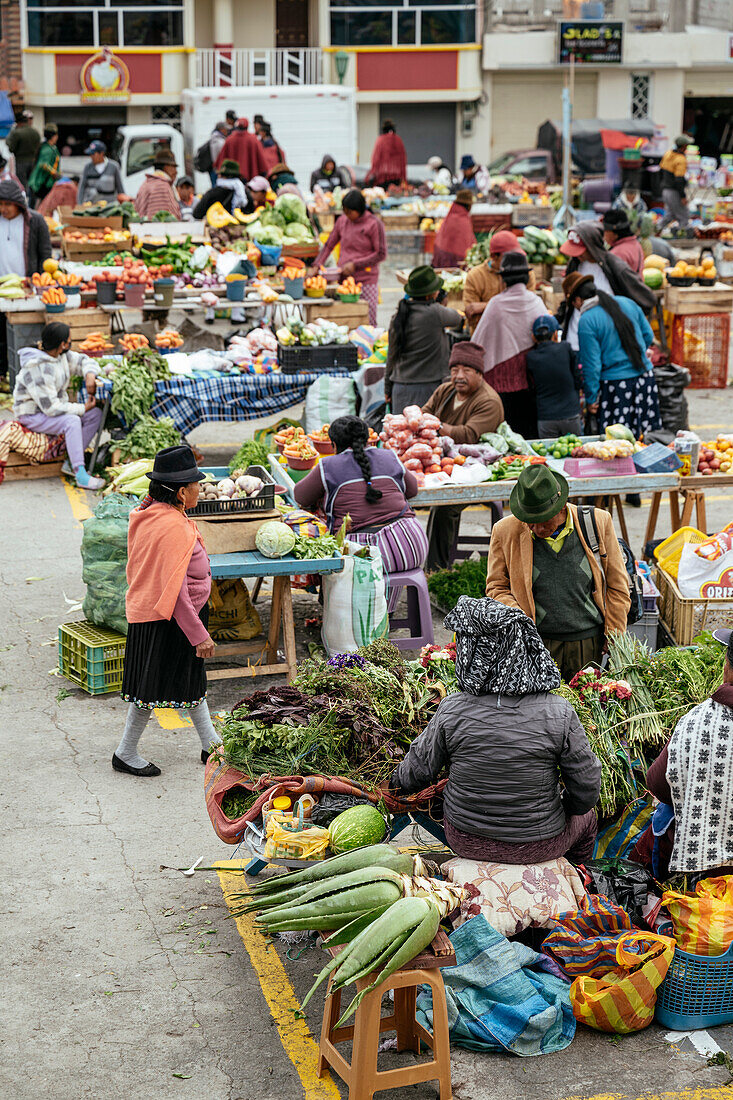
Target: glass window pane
point(368, 3)
point(65, 3)
point(143, 4)
point(108, 28)
point(442, 27)
point(406, 21)
point(361, 28)
point(153, 28)
point(60, 29)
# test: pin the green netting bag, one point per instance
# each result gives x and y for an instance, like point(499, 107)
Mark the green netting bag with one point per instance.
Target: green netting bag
point(104, 557)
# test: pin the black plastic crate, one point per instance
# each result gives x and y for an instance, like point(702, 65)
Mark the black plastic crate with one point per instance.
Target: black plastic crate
point(263, 502)
point(322, 357)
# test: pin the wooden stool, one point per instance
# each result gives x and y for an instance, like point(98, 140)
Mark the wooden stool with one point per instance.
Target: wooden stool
point(361, 1075)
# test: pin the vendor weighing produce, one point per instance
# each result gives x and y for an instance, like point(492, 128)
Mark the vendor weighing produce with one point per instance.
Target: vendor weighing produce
point(540, 561)
point(506, 742)
point(467, 407)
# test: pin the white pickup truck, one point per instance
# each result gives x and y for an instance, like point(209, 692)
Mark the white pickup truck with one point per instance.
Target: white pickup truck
point(134, 150)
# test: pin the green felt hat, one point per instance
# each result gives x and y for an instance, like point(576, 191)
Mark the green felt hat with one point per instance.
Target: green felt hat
point(423, 281)
point(539, 494)
point(229, 169)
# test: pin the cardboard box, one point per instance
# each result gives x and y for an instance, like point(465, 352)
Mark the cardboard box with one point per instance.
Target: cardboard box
point(78, 222)
point(233, 536)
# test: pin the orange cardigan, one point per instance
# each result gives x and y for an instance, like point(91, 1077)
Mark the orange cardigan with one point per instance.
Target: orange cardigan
point(160, 542)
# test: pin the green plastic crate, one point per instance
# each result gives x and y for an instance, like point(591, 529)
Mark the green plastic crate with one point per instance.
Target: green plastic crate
point(91, 657)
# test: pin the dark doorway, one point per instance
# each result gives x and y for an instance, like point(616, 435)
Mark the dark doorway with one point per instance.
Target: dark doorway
point(427, 129)
point(291, 17)
point(710, 121)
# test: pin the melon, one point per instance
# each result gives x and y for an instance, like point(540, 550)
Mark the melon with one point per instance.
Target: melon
point(653, 278)
point(355, 828)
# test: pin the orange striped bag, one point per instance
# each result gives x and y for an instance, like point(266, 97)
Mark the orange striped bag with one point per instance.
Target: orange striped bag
point(703, 922)
point(623, 1000)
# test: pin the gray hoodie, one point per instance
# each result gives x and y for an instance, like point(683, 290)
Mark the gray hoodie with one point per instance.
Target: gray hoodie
point(42, 382)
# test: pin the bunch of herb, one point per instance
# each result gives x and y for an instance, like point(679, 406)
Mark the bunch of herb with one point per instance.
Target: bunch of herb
point(251, 453)
point(151, 361)
point(133, 391)
point(626, 659)
point(236, 802)
point(468, 578)
point(308, 547)
point(148, 436)
point(679, 679)
point(600, 721)
point(395, 701)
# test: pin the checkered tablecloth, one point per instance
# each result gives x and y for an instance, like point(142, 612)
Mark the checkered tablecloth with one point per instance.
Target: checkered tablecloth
point(192, 401)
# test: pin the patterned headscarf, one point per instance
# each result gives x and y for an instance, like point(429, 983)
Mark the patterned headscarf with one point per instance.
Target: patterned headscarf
point(498, 650)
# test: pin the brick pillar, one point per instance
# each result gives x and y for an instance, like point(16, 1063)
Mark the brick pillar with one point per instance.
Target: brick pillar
point(11, 57)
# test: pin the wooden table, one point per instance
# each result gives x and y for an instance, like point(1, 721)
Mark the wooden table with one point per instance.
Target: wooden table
point(250, 566)
point(693, 491)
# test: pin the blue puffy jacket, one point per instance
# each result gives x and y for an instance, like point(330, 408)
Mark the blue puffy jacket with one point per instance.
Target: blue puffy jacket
point(601, 352)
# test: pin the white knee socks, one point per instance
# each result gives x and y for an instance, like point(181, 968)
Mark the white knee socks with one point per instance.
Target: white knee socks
point(137, 720)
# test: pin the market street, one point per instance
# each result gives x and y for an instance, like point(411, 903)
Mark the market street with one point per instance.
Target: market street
point(126, 978)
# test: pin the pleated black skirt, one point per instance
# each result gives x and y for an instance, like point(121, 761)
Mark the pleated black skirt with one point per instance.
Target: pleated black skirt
point(161, 667)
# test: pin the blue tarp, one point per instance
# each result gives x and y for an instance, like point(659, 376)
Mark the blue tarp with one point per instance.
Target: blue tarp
point(7, 116)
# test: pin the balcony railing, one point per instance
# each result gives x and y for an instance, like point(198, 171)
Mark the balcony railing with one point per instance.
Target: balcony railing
point(245, 68)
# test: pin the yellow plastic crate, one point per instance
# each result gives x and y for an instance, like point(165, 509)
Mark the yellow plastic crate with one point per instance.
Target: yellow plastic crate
point(669, 552)
point(91, 657)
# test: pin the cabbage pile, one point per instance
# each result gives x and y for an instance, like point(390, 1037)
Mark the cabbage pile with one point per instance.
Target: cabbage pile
point(284, 224)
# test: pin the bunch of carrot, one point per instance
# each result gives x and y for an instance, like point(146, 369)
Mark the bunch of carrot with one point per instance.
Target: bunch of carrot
point(169, 338)
point(131, 341)
point(62, 279)
point(349, 286)
point(96, 343)
point(292, 273)
point(42, 279)
point(53, 297)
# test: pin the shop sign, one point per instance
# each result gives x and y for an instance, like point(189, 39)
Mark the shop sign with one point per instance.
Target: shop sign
point(721, 589)
point(104, 78)
point(591, 42)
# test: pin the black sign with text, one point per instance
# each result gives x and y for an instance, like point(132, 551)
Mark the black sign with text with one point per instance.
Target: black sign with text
point(591, 42)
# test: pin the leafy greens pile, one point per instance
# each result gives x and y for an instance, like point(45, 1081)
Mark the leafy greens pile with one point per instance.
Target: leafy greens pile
point(468, 578)
point(133, 383)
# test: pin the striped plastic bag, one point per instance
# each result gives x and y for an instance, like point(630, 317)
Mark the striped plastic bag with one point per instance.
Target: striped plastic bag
point(584, 940)
point(624, 999)
point(703, 922)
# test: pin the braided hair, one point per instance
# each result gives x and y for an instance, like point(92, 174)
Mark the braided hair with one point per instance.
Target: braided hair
point(350, 431)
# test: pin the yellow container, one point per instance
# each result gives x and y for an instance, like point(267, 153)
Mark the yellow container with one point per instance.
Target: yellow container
point(669, 552)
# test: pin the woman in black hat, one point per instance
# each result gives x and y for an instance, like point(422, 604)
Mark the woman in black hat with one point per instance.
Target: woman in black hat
point(419, 349)
point(169, 578)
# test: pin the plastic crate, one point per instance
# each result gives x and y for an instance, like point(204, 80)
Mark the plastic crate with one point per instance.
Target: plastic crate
point(91, 657)
point(645, 629)
point(263, 502)
point(697, 991)
point(669, 552)
point(686, 618)
point(324, 357)
point(705, 352)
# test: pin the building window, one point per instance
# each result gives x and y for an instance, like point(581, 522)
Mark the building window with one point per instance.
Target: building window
point(97, 23)
point(171, 115)
point(641, 89)
point(401, 23)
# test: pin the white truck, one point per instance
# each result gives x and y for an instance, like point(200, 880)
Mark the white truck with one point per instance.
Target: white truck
point(308, 122)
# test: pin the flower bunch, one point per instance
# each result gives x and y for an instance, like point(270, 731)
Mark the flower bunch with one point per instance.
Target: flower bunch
point(590, 682)
point(344, 661)
point(432, 653)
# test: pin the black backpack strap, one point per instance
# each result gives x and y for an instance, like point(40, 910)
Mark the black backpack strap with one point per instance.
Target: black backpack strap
point(589, 531)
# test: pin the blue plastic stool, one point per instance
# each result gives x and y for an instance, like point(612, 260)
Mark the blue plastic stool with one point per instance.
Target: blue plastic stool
point(419, 619)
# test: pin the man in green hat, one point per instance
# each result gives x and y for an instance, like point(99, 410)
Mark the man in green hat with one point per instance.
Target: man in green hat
point(540, 561)
point(46, 169)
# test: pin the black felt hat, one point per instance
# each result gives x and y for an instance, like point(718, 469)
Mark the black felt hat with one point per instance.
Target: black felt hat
point(176, 466)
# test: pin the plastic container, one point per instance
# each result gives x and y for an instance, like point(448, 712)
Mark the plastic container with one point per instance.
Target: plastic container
point(323, 446)
point(163, 290)
point(656, 459)
point(293, 287)
point(135, 295)
point(645, 629)
point(270, 253)
point(235, 290)
point(106, 293)
point(301, 463)
point(91, 657)
point(324, 357)
point(349, 297)
point(669, 552)
point(596, 467)
point(263, 502)
point(697, 991)
point(311, 292)
point(55, 307)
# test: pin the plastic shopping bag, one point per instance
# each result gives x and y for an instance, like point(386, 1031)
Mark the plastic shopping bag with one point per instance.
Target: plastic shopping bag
point(623, 1000)
point(328, 398)
point(584, 941)
point(703, 922)
point(355, 601)
point(706, 569)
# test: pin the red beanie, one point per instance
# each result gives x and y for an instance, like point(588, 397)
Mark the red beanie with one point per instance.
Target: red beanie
point(504, 241)
point(467, 354)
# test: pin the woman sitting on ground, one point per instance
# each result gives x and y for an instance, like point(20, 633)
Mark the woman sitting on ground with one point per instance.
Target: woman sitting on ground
point(692, 829)
point(41, 400)
point(372, 487)
point(506, 742)
point(169, 577)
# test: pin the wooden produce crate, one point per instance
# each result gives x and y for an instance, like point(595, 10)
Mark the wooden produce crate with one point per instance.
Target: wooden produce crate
point(403, 222)
point(530, 213)
point(685, 618)
point(229, 535)
point(352, 314)
point(20, 468)
point(684, 301)
point(82, 322)
point(80, 222)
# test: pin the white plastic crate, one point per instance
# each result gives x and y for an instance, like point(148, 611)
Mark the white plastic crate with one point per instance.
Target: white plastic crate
point(646, 629)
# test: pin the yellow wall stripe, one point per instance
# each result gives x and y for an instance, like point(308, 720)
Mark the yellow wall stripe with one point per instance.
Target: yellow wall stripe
point(298, 1043)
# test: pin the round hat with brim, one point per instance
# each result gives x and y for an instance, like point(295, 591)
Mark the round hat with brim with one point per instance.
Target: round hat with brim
point(540, 493)
point(176, 466)
point(423, 281)
point(722, 635)
point(229, 169)
point(572, 282)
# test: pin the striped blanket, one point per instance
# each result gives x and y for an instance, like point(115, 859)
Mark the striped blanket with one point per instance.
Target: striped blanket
point(32, 445)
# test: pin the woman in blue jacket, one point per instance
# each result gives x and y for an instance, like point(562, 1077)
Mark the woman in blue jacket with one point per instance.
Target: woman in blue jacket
point(613, 337)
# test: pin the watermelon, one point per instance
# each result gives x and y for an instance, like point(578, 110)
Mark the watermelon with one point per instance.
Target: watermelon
point(355, 828)
point(653, 278)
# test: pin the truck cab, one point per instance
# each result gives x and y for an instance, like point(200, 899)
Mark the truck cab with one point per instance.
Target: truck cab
point(134, 150)
point(532, 164)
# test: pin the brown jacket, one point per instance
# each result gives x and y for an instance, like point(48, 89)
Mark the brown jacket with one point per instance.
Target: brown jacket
point(481, 285)
point(479, 413)
point(509, 575)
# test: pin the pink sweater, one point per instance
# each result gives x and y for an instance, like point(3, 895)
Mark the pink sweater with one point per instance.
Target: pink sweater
point(194, 593)
point(362, 243)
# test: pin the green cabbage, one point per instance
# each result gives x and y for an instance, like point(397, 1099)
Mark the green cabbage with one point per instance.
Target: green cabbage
point(272, 217)
point(267, 234)
point(275, 539)
point(296, 233)
point(292, 208)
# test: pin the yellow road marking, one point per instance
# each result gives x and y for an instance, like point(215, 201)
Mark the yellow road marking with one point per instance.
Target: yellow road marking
point(713, 1092)
point(169, 719)
point(77, 499)
point(298, 1043)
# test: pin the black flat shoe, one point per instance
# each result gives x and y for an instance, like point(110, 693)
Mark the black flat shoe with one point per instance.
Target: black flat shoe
point(204, 756)
point(121, 766)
